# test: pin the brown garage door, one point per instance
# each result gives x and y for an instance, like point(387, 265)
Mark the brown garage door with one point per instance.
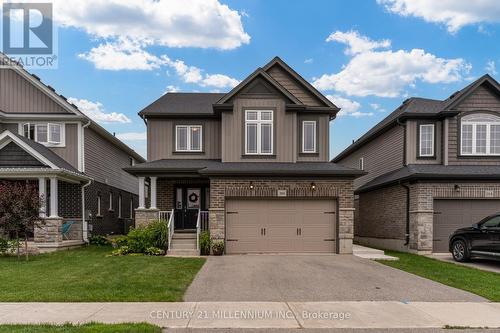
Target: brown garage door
point(274, 225)
point(449, 215)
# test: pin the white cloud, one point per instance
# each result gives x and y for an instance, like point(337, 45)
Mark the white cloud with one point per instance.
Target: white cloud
point(386, 73)
point(455, 14)
point(491, 67)
point(132, 136)
point(171, 23)
point(357, 43)
point(172, 89)
point(348, 107)
point(377, 107)
point(309, 61)
point(96, 111)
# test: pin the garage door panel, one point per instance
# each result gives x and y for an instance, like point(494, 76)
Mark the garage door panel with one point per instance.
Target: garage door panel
point(281, 219)
point(450, 215)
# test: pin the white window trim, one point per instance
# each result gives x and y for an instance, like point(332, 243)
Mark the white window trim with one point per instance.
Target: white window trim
point(361, 163)
point(259, 123)
point(99, 205)
point(131, 208)
point(119, 206)
point(48, 143)
point(188, 139)
point(314, 137)
point(420, 154)
point(488, 137)
point(110, 200)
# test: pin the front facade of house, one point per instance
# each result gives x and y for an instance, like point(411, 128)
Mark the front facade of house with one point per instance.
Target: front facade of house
point(75, 164)
point(251, 166)
point(432, 167)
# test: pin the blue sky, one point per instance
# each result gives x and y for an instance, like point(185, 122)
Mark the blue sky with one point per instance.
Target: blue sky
point(368, 56)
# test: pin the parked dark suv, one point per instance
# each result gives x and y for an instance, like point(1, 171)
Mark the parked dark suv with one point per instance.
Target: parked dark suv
point(480, 240)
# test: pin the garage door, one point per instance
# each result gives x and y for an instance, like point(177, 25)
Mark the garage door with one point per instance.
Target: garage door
point(272, 225)
point(449, 215)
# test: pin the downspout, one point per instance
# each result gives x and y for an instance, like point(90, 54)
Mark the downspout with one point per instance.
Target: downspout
point(84, 221)
point(407, 231)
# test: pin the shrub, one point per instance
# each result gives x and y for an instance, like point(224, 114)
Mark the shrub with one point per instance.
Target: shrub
point(8, 247)
point(99, 240)
point(121, 251)
point(150, 238)
point(154, 251)
point(218, 248)
point(119, 241)
point(4, 246)
point(205, 243)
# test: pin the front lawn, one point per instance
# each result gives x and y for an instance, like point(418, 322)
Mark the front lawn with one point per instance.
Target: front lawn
point(87, 328)
point(485, 284)
point(89, 275)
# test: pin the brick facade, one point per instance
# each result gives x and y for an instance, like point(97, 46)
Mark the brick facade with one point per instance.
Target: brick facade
point(340, 190)
point(382, 212)
point(70, 200)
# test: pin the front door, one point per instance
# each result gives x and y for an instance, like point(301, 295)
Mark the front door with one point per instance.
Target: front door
point(187, 204)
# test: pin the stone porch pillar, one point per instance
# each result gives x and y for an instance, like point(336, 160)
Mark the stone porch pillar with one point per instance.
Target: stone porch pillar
point(50, 231)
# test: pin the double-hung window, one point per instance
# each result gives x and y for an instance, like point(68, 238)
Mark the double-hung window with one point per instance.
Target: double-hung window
point(259, 132)
point(480, 135)
point(426, 140)
point(188, 138)
point(49, 134)
point(309, 136)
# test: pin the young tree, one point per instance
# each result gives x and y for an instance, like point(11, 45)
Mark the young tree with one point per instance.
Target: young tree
point(19, 210)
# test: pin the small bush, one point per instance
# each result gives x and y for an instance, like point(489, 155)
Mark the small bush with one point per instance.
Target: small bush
point(154, 251)
point(4, 246)
point(99, 240)
point(119, 241)
point(8, 247)
point(121, 251)
point(218, 248)
point(205, 243)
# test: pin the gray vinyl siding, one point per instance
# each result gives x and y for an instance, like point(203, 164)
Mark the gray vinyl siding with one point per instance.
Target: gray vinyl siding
point(412, 142)
point(70, 151)
point(12, 127)
point(483, 99)
point(105, 162)
point(285, 131)
point(381, 155)
point(161, 139)
point(18, 95)
point(13, 156)
point(322, 137)
point(294, 87)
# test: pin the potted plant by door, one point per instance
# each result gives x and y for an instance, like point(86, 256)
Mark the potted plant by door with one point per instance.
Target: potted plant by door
point(218, 248)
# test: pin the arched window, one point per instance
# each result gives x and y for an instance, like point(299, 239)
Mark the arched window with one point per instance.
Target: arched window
point(480, 134)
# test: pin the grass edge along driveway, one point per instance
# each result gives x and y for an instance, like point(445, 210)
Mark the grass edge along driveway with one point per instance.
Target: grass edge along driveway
point(85, 328)
point(89, 274)
point(482, 283)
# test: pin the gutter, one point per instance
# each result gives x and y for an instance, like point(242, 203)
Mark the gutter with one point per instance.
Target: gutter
point(85, 234)
point(407, 229)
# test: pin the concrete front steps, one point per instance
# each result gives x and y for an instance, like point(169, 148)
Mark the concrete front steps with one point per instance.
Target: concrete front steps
point(183, 244)
point(369, 253)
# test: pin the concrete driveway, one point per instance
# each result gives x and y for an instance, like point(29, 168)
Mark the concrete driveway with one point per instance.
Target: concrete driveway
point(312, 278)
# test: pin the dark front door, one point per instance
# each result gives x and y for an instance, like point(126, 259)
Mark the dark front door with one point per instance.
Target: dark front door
point(187, 204)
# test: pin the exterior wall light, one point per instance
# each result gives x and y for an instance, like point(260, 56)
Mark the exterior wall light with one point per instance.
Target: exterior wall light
point(251, 186)
point(457, 188)
point(313, 187)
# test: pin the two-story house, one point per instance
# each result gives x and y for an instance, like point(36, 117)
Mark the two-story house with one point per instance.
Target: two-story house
point(251, 166)
point(432, 166)
point(75, 163)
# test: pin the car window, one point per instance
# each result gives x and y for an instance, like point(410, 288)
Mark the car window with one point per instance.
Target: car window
point(494, 222)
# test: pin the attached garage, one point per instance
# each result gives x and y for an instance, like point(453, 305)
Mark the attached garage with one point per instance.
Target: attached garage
point(271, 225)
point(450, 215)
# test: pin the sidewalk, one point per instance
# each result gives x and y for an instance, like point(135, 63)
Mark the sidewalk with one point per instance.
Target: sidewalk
point(261, 314)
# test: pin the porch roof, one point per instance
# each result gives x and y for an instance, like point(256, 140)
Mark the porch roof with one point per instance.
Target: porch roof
point(217, 168)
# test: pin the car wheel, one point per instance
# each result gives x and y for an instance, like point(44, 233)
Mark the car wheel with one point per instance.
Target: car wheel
point(460, 251)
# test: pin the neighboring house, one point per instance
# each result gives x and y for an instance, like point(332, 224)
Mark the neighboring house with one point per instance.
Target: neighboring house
point(433, 166)
point(74, 162)
point(251, 166)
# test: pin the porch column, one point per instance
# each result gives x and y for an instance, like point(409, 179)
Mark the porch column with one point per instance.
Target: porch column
point(153, 192)
point(53, 197)
point(42, 193)
point(142, 202)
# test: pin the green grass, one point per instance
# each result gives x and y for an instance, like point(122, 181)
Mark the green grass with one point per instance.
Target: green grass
point(89, 275)
point(87, 328)
point(485, 284)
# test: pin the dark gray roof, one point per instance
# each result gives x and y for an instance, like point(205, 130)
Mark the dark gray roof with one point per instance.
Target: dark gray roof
point(183, 103)
point(216, 167)
point(416, 107)
point(48, 154)
point(427, 171)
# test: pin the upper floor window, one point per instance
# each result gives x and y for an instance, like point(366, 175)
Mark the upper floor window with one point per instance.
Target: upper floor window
point(426, 140)
point(480, 135)
point(188, 138)
point(258, 132)
point(49, 134)
point(309, 136)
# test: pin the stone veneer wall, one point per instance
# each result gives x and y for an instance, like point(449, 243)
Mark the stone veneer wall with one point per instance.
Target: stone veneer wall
point(341, 190)
point(422, 197)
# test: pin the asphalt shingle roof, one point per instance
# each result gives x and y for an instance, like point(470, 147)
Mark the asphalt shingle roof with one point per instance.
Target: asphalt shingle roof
point(183, 103)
